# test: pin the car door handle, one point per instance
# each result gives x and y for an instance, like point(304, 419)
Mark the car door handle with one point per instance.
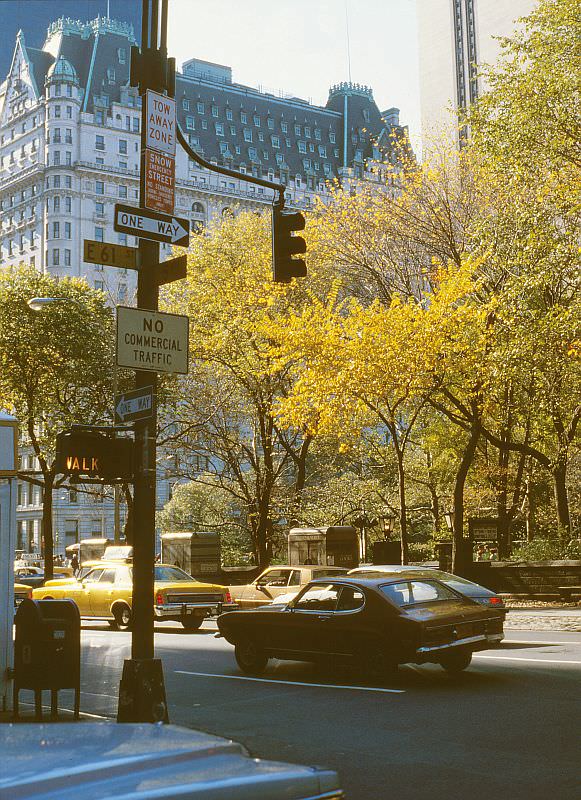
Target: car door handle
point(324, 618)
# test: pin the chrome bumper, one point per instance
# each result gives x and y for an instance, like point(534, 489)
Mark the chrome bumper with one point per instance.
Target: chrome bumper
point(177, 610)
point(185, 609)
point(436, 648)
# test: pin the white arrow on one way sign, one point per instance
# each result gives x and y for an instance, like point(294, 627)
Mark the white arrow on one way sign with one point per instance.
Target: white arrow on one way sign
point(152, 225)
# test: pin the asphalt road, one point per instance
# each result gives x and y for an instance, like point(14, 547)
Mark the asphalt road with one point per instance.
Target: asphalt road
point(510, 727)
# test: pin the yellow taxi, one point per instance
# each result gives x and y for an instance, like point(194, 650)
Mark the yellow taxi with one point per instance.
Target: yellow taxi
point(105, 592)
point(21, 592)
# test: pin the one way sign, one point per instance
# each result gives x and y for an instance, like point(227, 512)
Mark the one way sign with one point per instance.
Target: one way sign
point(152, 225)
point(138, 404)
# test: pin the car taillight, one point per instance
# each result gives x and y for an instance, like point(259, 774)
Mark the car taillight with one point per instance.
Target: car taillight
point(29, 594)
point(227, 596)
point(495, 601)
point(159, 599)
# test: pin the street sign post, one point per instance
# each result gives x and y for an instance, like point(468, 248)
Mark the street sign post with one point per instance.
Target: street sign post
point(138, 404)
point(111, 255)
point(152, 225)
point(160, 133)
point(173, 270)
point(160, 172)
point(152, 341)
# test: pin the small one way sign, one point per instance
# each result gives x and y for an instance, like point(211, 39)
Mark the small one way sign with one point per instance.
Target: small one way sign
point(152, 225)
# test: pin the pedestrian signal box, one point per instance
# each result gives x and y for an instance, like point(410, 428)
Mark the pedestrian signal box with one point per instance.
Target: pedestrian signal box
point(89, 456)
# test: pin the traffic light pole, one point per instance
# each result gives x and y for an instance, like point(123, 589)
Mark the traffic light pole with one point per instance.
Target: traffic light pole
point(142, 691)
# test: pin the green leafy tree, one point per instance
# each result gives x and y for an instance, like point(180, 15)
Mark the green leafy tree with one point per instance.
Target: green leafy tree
point(55, 369)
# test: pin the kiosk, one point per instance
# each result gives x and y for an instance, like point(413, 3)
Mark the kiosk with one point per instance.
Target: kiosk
point(333, 546)
point(197, 553)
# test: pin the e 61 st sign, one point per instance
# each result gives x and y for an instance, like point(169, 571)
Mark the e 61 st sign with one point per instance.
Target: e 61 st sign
point(152, 341)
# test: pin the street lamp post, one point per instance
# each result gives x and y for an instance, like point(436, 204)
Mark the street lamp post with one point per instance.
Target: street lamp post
point(386, 523)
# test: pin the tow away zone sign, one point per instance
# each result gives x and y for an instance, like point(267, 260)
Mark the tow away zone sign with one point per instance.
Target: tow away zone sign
point(152, 341)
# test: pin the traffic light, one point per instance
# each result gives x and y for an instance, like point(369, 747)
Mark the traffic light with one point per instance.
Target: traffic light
point(285, 245)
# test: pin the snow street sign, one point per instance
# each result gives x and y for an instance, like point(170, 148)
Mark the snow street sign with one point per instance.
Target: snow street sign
point(160, 172)
point(137, 404)
point(151, 225)
point(161, 123)
point(149, 340)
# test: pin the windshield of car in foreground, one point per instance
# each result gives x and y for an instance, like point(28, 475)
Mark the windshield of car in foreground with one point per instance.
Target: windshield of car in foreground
point(409, 593)
point(172, 574)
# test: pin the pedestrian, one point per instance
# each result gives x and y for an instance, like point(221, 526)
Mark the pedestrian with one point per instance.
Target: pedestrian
point(75, 563)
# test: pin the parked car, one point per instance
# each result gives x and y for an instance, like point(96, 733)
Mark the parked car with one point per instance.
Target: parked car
point(276, 581)
point(34, 576)
point(472, 590)
point(105, 592)
point(21, 592)
point(372, 622)
point(102, 759)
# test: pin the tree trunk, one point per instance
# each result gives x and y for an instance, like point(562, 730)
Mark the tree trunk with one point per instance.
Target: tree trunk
point(128, 528)
point(47, 537)
point(459, 560)
point(402, 507)
point(531, 518)
point(561, 499)
point(501, 503)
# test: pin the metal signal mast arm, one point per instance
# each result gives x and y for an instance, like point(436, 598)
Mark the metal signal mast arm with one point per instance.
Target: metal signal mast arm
point(231, 173)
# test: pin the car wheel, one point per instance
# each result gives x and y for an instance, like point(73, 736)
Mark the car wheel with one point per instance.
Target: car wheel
point(250, 657)
point(192, 623)
point(455, 663)
point(123, 617)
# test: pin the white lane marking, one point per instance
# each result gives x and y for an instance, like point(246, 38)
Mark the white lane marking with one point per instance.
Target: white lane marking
point(537, 641)
point(290, 683)
point(531, 660)
point(69, 710)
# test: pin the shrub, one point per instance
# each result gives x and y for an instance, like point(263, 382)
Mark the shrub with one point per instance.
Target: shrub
point(548, 550)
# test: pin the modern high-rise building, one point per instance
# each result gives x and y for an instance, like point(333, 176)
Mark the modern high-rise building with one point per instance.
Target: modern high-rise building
point(455, 36)
point(70, 149)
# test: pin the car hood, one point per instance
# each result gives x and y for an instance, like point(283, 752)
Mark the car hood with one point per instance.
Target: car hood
point(20, 587)
point(60, 582)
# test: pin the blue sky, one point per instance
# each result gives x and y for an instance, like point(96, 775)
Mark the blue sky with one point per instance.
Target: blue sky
point(300, 46)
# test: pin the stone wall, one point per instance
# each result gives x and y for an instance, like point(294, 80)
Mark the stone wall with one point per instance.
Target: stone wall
point(533, 577)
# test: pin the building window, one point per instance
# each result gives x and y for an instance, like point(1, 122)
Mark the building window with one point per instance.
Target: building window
point(67, 230)
point(122, 237)
point(68, 136)
point(57, 112)
point(275, 141)
point(68, 204)
point(56, 204)
point(204, 125)
point(190, 124)
point(247, 135)
point(68, 159)
point(122, 292)
point(99, 117)
point(135, 124)
point(200, 108)
point(123, 192)
point(69, 112)
point(256, 120)
point(122, 147)
point(322, 151)
point(111, 75)
point(252, 155)
point(332, 137)
point(56, 234)
point(99, 142)
point(265, 155)
point(100, 209)
point(56, 158)
point(243, 117)
point(68, 182)
point(186, 105)
point(99, 187)
point(307, 132)
point(99, 285)
point(56, 257)
point(214, 111)
point(229, 114)
point(317, 134)
point(302, 147)
point(122, 55)
point(99, 234)
point(219, 128)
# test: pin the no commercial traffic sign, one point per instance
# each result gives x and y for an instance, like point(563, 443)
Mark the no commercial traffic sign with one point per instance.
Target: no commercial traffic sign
point(152, 225)
point(152, 341)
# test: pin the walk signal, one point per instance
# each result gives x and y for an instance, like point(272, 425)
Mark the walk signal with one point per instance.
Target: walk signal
point(285, 245)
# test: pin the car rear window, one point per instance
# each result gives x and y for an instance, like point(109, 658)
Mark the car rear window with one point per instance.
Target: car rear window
point(322, 573)
point(409, 593)
point(171, 574)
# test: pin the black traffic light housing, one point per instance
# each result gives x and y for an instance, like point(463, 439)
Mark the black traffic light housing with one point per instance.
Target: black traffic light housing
point(285, 245)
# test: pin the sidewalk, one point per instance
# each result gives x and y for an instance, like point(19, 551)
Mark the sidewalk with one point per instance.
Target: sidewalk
point(567, 618)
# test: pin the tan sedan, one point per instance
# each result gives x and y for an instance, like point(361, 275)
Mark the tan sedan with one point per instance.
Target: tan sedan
point(276, 581)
